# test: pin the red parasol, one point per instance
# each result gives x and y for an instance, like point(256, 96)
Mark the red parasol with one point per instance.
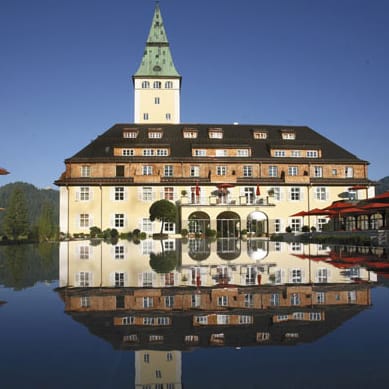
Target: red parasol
point(225, 185)
point(258, 192)
point(197, 189)
point(301, 213)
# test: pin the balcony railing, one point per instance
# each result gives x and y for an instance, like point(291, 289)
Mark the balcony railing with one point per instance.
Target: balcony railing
point(226, 201)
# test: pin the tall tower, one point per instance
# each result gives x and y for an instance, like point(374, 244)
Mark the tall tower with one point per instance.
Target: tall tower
point(157, 83)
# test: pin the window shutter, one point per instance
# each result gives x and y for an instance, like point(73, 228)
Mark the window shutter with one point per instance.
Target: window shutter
point(78, 196)
point(112, 193)
point(302, 193)
point(140, 279)
point(91, 193)
point(77, 279)
point(90, 220)
point(140, 193)
point(283, 276)
point(125, 194)
point(303, 276)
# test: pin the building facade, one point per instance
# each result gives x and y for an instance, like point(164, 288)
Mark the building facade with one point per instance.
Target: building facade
point(223, 177)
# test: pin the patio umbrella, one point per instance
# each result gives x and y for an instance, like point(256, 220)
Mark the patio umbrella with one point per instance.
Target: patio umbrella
point(301, 213)
point(225, 185)
point(320, 212)
point(258, 191)
point(197, 189)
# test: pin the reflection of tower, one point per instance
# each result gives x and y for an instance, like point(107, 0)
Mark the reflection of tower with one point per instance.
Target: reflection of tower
point(158, 369)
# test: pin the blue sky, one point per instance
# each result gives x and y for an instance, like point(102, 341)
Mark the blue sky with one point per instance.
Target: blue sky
point(66, 67)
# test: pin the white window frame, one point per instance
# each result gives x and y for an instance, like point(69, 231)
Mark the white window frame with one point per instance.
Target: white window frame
point(168, 171)
point(247, 171)
point(147, 170)
point(273, 171)
point(195, 171)
point(293, 170)
point(221, 170)
point(119, 220)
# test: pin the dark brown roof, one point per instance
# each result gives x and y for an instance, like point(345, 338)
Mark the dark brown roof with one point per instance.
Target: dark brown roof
point(233, 136)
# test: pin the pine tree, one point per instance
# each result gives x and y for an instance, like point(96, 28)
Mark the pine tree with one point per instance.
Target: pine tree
point(16, 222)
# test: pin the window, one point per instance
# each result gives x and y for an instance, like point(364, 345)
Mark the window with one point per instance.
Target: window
point(221, 170)
point(196, 300)
point(322, 275)
point(169, 227)
point(119, 170)
point(147, 170)
point(156, 100)
point(169, 301)
point(119, 279)
point(168, 116)
point(148, 152)
point(295, 224)
point(248, 300)
point(84, 302)
point(320, 193)
point(201, 319)
point(130, 338)
point(191, 339)
point(222, 319)
point(147, 225)
point(295, 194)
point(247, 171)
point(84, 252)
point(275, 299)
point(148, 302)
point(157, 84)
point(321, 222)
point(315, 316)
point(128, 152)
point(221, 153)
point(145, 116)
point(260, 134)
point(130, 133)
point(200, 153)
point(222, 301)
point(263, 336)
point(147, 193)
point(320, 297)
point(146, 358)
point(296, 276)
point(119, 252)
point(119, 220)
point(312, 154)
point(162, 152)
point(295, 299)
point(147, 279)
point(168, 193)
point(155, 134)
point(273, 171)
point(168, 171)
point(169, 356)
point(279, 153)
point(298, 315)
point(334, 172)
point(119, 193)
point(85, 171)
point(120, 302)
point(288, 135)
point(190, 133)
point(295, 153)
point(242, 152)
point(84, 220)
point(84, 279)
point(145, 84)
point(194, 171)
point(277, 225)
point(318, 171)
point(84, 193)
point(249, 194)
point(163, 321)
point(215, 133)
point(349, 172)
point(293, 170)
point(168, 84)
point(276, 193)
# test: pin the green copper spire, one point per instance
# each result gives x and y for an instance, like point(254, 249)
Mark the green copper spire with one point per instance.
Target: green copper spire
point(157, 59)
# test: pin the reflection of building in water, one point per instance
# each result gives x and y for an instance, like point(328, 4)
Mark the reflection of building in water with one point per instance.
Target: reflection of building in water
point(225, 293)
point(157, 369)
point(201, 263)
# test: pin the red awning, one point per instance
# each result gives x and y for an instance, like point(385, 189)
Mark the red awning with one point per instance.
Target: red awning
point(225, 185)
point(358, 187)
point(301, 213)
point(375, 205)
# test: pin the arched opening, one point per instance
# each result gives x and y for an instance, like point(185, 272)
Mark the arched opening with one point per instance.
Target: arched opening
point(199, 249)
point(228, 225)
point(257, 224)
point(198, 222)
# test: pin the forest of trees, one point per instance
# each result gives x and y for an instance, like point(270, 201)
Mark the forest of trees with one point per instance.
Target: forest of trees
point(28, 212)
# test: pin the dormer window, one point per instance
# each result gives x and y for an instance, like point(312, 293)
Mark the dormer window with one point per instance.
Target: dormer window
point(260, 134)
point(288, 134)
point(145, 84)
point(155, 133)
point(242, 152)
point(312, 154)
point(157, 84)
point(215, 133)
point(190, 133)
point(168, 84)
point(130, 133)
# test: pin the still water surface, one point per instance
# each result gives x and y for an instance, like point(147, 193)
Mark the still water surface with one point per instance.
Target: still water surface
point(226, 314)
